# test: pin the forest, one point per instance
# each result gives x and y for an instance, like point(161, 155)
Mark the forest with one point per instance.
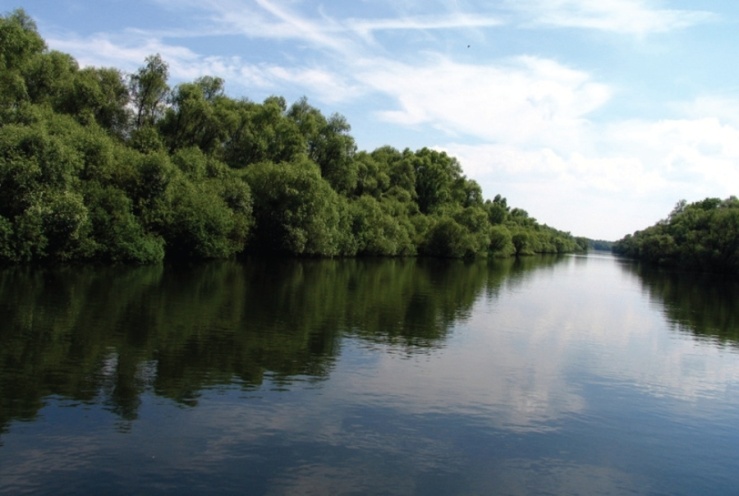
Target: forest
point(700, 236)
point(101, 166)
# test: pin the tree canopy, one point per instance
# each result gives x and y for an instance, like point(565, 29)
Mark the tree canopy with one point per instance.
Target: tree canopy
point(700, 236)
point(99, 165)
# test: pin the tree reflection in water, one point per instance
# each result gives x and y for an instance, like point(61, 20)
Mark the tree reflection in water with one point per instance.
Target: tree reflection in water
point(106, 335)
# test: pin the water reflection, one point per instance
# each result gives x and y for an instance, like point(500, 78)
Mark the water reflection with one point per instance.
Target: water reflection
point(558, 375)
point(109, 334)
point(551, 349)
point(704, 305)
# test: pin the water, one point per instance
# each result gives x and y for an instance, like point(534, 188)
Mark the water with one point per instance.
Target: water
point(563, 376)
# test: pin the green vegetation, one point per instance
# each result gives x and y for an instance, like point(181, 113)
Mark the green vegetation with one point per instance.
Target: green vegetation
point(98, 166)
point(600, 244)
point(701, 236)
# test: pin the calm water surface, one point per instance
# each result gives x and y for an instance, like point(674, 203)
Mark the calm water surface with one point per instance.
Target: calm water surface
point(564, 376)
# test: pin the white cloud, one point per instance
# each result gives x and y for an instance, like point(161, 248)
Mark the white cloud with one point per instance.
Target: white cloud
point(524, 100)
point(568, 190)
point(638, 168)
point(723, 108)
point(699, 153)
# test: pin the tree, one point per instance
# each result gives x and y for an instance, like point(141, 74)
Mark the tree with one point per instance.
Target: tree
point(698, 236)
point(436, 174)
point(328, 144)
point(116, 232)
point(259, 133)
point(520, 242)
point(372, 176)
point(500, 240)
point(193, 120)
point(199, 224)
point(19, 43)
point(377, 231)
point(497, 210)
point(296, 211)
point(149, 90)
point(19, 40)
point(448, 239)
point(65, 223)
point(99, 95)
point(474, 219)
point(49, 78)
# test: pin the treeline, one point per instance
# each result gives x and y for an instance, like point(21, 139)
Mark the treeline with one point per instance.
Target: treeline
point(600, 244)
point(700, 236)
point(97, 165)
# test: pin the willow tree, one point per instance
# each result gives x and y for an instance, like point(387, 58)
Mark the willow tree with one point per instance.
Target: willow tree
point(149, 90)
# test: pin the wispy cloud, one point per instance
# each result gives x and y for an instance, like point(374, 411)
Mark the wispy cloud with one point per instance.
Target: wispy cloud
point(303, 27)
point(125, 52)
point(367, 27)
point(633, 17)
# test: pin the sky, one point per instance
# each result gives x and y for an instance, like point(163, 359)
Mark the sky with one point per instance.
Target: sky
point(596, 117)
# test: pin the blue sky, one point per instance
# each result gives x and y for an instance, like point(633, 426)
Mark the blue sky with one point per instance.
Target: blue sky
point(594, 116)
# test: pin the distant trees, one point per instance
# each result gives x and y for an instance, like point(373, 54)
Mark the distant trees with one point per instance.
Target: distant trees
point(600, 244)
point(97, 165)
point(698, 236)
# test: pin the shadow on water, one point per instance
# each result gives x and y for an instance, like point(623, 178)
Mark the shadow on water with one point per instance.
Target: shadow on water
point(107, 335)
point(703, 305)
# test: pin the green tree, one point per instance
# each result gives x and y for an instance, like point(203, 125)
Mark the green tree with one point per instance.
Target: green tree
point(65, 224)
point(377, 231)
point(448, 239)
point(200, 224)
point(435, 174)
point(296, 211)
point(192, 119)
point(497, 210)
point(475, 220)
point(19, 40)
point(49, 78)
point(399, 168)
point(328, 144)
point(699, 236)
point(99, 95)
point(259, 133)
point(521, 242)
point(501, 240)
point(149, 90)
point(118, 235)
point(372, 176)
point(19, 43)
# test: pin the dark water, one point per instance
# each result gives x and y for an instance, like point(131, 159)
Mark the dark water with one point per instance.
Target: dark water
point(577, 375)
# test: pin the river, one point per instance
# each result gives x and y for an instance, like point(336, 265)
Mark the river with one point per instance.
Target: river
point(574, 375)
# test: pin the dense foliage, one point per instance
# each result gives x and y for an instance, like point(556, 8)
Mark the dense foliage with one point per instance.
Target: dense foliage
point(698, 236)
point(96, 165)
